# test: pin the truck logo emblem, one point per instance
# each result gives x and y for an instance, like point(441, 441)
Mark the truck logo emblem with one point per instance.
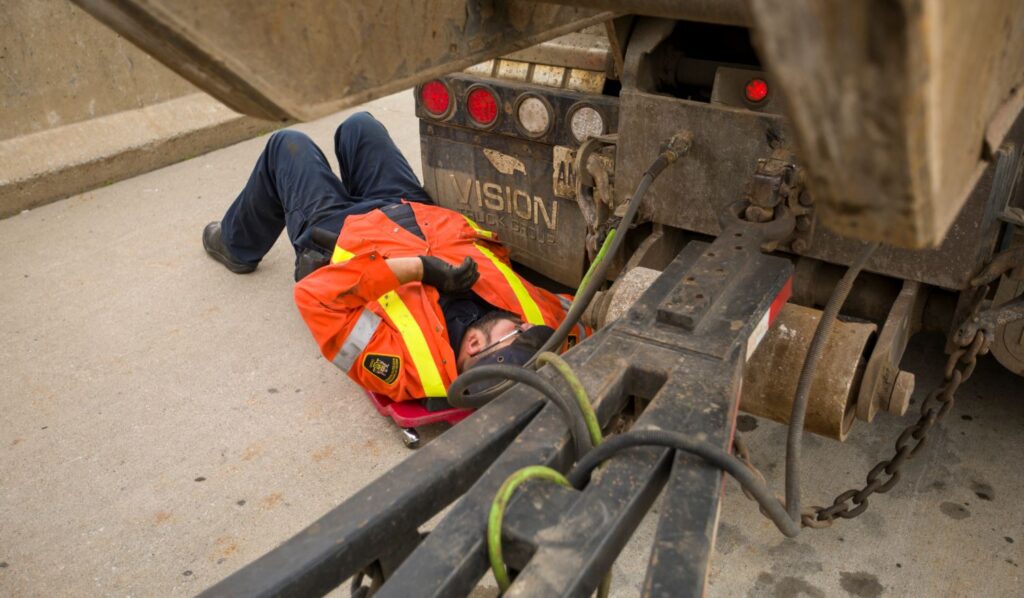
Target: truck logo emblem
point(504, 163)
point(497, 200)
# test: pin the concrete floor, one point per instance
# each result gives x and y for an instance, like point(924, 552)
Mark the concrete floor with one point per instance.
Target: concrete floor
point(164, 422)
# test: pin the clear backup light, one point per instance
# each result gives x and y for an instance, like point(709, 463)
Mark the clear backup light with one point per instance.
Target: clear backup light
point(534, 115)
point(435, 97)
point(586, 122)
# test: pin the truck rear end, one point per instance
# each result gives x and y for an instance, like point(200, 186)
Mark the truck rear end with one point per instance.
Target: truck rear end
point(820, 138)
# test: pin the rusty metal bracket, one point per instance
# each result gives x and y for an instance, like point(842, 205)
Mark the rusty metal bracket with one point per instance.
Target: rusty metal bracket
point(885, 386)
point(989, 320)
point(1005, 261)
point(772, 232)
point(594, 172)
point(779, 181)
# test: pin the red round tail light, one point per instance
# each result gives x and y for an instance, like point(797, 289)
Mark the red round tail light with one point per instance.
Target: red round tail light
point(435, 97)
point(482, 106)
point(756, 90)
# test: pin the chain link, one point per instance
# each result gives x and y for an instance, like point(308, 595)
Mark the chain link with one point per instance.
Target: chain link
point(958, 369)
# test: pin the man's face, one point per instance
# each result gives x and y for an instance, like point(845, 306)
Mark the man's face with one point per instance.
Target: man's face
point(479, 342)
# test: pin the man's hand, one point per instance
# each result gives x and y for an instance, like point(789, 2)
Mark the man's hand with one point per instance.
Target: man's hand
point(447, 278)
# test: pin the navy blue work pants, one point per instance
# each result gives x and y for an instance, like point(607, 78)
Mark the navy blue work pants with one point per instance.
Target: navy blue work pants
point(293, 187)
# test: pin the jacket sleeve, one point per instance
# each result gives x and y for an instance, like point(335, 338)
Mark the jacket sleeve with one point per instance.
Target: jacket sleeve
point(332, 298)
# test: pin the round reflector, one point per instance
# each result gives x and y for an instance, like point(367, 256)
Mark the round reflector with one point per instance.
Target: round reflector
point(756, 90)
point(533, 115)
point(435, 97)
point(482, 106)
point(586, 122)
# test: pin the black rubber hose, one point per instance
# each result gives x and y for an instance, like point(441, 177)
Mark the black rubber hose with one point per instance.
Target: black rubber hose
point(583, 300)
point(803, 387)
point(570, 410)
point(673, 150)
point(770, 505)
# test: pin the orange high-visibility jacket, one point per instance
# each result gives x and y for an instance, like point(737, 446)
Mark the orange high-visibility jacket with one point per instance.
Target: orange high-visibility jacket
point(392, 338)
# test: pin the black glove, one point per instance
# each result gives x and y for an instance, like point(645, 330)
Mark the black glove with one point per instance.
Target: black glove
point(448, 278)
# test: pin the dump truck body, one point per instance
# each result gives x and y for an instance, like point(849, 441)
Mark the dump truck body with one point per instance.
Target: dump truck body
point(897, 104)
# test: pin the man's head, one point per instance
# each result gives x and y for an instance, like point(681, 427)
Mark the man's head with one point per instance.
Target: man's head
point(493, 332)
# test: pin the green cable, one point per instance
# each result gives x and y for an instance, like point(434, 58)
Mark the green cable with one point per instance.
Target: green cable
point(577, 390)
point(589, 416)
point(498, 512)
point(504, 495)
point(598, 259)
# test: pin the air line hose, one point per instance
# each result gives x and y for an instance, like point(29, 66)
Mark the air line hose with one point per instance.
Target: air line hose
point(678, 145)
point(497, 512)
point(577, 425)
point(586, 408)
point(773, 508)
point(601, 253)
point(504, 495)
point(803, 387)
point(592, 280)
point(672, 150)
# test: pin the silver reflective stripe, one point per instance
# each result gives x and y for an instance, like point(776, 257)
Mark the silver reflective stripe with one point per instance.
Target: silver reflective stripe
point(357, 339)
point(566, 304)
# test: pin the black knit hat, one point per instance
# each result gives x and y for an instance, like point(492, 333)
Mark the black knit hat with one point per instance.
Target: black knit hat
point(517, 353)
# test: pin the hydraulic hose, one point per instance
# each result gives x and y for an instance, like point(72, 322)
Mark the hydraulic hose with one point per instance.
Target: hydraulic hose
point(570, 412)
point(803, 387)
point(497, 513)
point(586, 408)
point(772, 507)
point(601, 253)
point(678, 145)
point(504, 495)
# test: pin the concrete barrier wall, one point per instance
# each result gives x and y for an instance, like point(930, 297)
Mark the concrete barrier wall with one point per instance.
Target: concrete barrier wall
point(81, 107)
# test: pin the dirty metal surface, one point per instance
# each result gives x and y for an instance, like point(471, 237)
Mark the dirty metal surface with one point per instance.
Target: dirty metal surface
point(769, 385)
point(698, 369)
point(892, 103)
point(726, 147)
point(337, 545)
point(727, 143)
point(724, 12)
point(302, 59)
point(522, 188)
point(588, 50)
point(879, 389)
point(691, 373)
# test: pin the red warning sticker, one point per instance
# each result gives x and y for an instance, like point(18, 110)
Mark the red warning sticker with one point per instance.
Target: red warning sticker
point(769, 316)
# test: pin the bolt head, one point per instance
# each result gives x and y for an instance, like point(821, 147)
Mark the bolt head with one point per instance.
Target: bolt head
point(799, 245)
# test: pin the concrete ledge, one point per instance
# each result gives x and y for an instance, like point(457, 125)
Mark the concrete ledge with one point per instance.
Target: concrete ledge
point(43, 167)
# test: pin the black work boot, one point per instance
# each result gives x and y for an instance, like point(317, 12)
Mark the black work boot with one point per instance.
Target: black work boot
point(213, 245)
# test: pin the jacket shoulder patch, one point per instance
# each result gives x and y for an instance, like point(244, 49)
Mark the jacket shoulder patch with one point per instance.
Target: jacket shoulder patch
point(385, 367)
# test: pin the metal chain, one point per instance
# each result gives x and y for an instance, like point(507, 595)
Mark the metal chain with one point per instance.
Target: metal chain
point(959, 368)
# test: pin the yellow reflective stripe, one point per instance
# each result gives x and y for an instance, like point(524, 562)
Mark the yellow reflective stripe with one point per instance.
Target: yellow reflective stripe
point(341, 255)
point(415, 343)
point(476, 227)
point(530, 308)
point(412, 335)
